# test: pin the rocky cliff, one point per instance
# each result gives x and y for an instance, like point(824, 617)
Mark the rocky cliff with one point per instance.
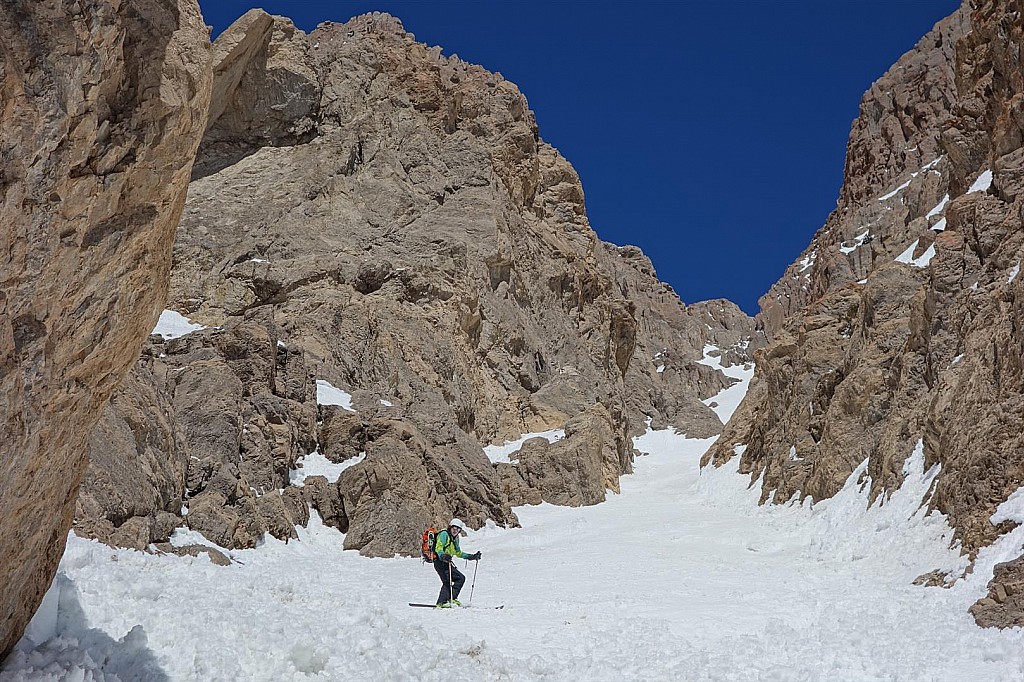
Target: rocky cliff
point(902, 321)
point(102, 106)
point(394, 270)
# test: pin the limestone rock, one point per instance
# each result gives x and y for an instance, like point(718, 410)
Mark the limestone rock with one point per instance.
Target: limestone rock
point(216, 556)
point(342, 434)
point(1003, 607)
point(103, 106)
point(934, 579)
point(368, 212)
point(325, 498)
point(576, 470)
point(138, 459)
point(406, 483)
point(514, 486)
point(265, 90)
point(901, 321)
point(219, 419)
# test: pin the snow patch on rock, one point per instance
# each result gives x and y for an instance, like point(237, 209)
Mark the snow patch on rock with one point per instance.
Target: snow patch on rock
point(173, 325)
point(328, 394)
point(316, 464)
point(982, 183)
point(502, 452)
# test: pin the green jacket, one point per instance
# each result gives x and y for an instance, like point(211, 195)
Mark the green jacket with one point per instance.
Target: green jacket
point(446, 544)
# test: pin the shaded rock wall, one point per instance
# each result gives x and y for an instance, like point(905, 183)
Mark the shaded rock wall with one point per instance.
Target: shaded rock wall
point(102, 106)
point(396, 215)
point(902, 320)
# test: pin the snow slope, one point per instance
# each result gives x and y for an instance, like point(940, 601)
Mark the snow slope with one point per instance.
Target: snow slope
point(680, 577)
point(728, 400)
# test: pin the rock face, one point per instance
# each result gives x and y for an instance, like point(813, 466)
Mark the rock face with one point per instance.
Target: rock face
point(370, 215)
point(902, 320)
point(102, 105)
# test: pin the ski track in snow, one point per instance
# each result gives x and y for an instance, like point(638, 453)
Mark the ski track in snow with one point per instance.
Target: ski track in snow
point(680, 577)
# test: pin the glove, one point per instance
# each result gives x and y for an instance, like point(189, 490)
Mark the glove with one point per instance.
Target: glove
point(447, 558)
point(474, 557)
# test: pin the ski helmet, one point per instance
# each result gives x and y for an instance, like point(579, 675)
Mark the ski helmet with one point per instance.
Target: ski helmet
point(457, 524)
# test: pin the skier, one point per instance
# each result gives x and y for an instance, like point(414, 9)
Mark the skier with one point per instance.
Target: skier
point(447, 547)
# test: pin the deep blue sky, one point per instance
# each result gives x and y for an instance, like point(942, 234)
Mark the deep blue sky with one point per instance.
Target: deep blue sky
point(710, 133)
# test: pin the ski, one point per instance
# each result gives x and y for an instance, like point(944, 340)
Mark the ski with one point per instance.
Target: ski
point(470, 606)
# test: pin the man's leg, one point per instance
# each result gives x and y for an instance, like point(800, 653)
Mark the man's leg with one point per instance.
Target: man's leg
point(446, 589)
point(458, 580)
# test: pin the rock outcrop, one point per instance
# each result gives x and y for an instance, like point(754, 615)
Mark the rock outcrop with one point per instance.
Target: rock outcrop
point(102, 108)
point(1003, 606)
point(902, 320)
point(387, 221)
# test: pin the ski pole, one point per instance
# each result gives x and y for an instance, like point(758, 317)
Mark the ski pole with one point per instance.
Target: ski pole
point(451, 588)
point(476, 565)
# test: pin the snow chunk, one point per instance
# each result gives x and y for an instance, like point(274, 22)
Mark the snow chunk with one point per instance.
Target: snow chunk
point(921, 261)
point(927, 167)
point(808, 260)
point(43, 625)
point(327, 394)
point(939, 226)
point(386, 403)
point(982, 184)
point(316, 464)
point(925, 258)
point(859, 241)
point(939, 208)
point(173, 325)
point(1014, 271)
point(896, 191)
point(1011, 510)
point(908, 255)
point(501, 453)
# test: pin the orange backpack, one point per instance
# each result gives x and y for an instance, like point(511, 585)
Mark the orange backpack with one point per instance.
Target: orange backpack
point(429, 538)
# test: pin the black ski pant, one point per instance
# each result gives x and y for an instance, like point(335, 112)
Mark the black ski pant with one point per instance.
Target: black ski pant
point(451, 583)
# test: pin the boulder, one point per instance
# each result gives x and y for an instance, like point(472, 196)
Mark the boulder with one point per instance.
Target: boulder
point(576, 470)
